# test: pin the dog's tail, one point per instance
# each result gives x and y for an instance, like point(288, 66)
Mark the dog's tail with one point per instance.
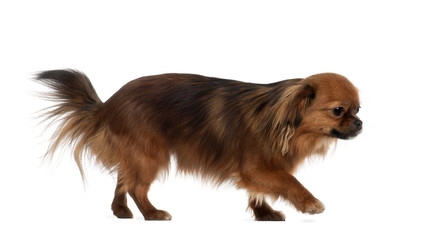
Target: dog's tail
point(76, 111)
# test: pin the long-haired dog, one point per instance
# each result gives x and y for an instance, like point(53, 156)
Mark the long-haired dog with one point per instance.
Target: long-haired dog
point(253, 135)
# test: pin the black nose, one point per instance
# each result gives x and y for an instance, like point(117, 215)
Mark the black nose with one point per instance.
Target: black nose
point(359, 124)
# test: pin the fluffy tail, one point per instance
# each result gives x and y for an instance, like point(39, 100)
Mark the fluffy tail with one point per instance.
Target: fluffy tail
point(76, 111)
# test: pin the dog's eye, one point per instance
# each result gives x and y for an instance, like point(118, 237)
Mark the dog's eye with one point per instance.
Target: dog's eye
point(338, 111)
point(358, 109)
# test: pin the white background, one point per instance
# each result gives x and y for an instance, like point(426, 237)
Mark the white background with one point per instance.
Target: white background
point(381, 185)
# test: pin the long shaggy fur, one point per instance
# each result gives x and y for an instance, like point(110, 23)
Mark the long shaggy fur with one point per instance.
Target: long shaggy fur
point(222, 130)
point(76, 111)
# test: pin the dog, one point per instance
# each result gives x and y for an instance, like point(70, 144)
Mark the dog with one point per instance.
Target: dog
point(252, 135)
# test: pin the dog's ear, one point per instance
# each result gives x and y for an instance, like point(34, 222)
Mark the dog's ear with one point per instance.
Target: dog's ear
point(289, 114)
point(299, 102)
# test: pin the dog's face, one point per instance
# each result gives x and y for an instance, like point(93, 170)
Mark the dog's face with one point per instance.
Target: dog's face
point(333, 111)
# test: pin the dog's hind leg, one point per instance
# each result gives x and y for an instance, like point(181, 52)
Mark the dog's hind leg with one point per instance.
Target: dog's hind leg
point(119, 204)
point(142, 172)
point(139, 195)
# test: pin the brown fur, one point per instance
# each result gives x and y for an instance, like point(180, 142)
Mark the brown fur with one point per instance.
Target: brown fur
point(254, 135)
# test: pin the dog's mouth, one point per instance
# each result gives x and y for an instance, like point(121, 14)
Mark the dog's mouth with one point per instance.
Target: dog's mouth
point(344, 135)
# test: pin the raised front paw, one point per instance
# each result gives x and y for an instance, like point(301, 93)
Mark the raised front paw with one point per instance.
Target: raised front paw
point(311, 205)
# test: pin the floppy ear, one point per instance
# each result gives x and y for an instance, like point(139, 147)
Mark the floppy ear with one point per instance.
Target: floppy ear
point(289, 114)
point(299, 102)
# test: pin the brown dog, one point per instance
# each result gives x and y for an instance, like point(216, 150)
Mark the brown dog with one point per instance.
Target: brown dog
point(254, 135)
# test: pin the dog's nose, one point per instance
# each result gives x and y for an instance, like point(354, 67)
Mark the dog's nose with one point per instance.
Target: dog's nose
point(358, 123)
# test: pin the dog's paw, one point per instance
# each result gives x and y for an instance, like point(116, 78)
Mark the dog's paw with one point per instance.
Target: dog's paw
point(270, 216)
point(157, 215)
point(311, 205)
point(122, 212)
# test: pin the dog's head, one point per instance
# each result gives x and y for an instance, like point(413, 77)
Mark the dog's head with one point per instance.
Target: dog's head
point(322, 105)
point(334, 107)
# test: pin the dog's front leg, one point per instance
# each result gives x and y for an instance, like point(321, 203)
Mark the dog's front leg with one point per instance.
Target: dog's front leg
point(278, 183)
